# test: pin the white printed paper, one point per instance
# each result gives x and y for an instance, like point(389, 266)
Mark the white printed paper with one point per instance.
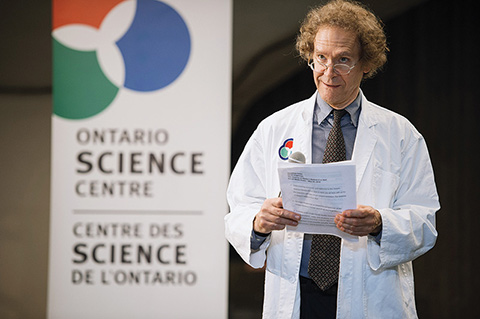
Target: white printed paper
point(318, 192)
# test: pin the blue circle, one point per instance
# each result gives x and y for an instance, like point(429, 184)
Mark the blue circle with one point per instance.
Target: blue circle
point(156, 47)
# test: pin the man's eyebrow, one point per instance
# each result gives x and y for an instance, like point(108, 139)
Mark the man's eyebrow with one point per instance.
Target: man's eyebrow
point(340, 53)
point(345, 53)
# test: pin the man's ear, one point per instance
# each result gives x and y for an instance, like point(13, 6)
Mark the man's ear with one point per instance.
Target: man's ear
point(366, 70)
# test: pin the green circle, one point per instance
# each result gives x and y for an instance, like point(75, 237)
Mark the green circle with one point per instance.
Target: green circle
point(80, 88)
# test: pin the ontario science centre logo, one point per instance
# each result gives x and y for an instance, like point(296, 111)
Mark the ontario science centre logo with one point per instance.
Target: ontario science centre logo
point(286, 149)
point(102, 47)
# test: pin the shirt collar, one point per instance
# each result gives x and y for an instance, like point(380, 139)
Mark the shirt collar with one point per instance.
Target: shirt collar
point(322, 109)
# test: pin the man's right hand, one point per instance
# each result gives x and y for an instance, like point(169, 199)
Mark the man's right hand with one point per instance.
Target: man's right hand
point(272, 216)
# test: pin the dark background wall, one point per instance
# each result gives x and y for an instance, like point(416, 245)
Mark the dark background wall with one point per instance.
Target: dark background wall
point(432, 78)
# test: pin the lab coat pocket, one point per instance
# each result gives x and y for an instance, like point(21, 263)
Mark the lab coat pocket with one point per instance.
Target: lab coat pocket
point(387, 297)
point(275, 252)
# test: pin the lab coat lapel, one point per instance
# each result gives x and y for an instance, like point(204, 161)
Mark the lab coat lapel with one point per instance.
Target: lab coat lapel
point(365, 140)
point(303, 129)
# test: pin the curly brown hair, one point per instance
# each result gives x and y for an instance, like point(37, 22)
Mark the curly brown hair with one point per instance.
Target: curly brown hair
point(352, 16)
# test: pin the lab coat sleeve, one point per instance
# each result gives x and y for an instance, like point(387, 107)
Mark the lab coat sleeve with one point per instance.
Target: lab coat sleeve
point(246, 194)
point(408, 229)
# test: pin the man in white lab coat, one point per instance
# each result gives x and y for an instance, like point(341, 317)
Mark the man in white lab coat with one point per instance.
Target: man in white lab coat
point(344, 44)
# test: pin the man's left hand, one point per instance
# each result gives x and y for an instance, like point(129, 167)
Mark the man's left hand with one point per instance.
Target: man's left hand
point(359, 222)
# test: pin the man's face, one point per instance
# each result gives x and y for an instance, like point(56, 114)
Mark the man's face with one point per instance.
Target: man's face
point(334, 45)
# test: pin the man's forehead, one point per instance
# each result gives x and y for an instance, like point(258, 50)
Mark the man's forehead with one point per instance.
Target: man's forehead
point(340, 40)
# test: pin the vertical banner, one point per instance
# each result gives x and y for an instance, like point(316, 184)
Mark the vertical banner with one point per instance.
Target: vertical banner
point(140, 158)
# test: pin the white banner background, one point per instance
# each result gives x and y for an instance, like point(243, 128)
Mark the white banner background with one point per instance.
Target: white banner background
point(96, 269)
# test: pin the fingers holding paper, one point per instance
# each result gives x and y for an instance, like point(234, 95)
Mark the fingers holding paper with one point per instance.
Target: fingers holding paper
point(272, 217)
point(359, 222)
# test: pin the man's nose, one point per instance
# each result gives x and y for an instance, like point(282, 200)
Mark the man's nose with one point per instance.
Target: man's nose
point(329, 71)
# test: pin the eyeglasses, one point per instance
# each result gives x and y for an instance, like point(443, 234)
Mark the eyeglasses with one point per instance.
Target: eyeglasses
point(341, 69)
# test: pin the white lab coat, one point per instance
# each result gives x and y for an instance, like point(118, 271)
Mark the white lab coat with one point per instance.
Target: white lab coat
point(394, 175)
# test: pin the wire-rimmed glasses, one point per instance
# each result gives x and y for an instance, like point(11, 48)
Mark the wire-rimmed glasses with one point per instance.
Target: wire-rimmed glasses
point(339, 68)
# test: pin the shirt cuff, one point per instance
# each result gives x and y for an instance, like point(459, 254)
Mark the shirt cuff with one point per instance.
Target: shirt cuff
point(377, 237)
point(257, 240)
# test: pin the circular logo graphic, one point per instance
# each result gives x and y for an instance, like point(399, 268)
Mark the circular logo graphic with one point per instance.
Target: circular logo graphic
point(101, 47)
point(286, 149)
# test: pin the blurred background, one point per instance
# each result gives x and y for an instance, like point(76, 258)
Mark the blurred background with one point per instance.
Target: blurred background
point(430, 77)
